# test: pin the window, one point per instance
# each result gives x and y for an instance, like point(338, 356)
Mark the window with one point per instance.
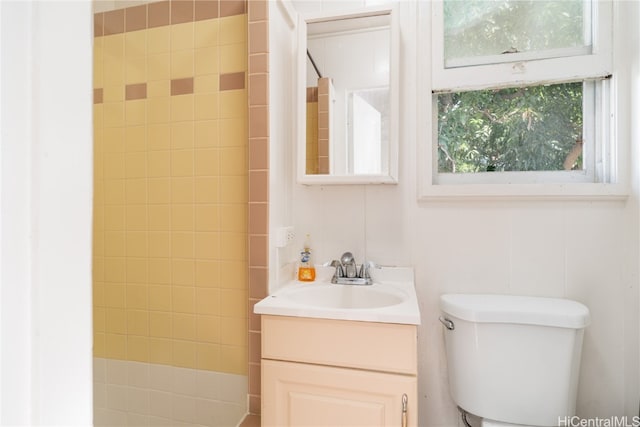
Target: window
point(521, 94)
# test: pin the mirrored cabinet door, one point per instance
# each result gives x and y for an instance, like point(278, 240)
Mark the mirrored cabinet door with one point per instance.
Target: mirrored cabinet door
point(347, 115)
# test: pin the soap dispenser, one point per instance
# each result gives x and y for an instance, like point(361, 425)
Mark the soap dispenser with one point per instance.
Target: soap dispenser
point(306, 270)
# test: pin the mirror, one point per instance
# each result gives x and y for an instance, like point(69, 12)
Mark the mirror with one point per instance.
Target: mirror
point(348, 98)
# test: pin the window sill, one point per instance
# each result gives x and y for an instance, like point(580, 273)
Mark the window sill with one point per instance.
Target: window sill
point(560, 192)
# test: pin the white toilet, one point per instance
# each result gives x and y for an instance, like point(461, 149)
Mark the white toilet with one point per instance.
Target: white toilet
point(514, 360)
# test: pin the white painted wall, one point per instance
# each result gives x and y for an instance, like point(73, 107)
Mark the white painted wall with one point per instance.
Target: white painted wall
point(45, 213)
point(282, 129)
point(587, 251)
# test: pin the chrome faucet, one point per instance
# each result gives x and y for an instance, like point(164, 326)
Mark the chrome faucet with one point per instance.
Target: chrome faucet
point(347, 271)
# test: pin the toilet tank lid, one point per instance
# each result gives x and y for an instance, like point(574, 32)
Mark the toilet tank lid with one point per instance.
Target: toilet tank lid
point(486, 308)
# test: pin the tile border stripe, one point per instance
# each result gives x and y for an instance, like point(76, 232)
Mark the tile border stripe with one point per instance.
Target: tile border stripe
point(161, 13)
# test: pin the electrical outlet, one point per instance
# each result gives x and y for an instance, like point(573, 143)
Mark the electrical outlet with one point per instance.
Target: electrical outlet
point(290, 235)
point(284, 236)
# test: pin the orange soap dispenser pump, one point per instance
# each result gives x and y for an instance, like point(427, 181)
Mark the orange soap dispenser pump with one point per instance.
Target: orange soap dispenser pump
point(306, 270)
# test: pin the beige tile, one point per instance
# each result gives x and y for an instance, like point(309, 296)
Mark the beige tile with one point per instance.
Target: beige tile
point(160, 271)
point(159, 164)
point(207, 61)
point(183, 299)
point(207, 218)
point(182, 217)
point(208, 328)
point(182, 135)
point(233, 189)
point(115, 346)
point(207, 273)
point(182, 108)
point(138, 295)
point(138, 322)
point(182, 163)
point(159, 190)
point(233, 57)
point(160, 301)
point(208, 356)
point(137, 348)
point(233, 132)
point(207, 246)
point(233, 29)
point(160, 217)
point(184, 354)
point(207, 301)
point(183, 271)
point(182, 64)
point(159, 67)
point(136, 244)
point(159, 244)
point(233, 359)
point(160, 322)
point(206, 33)
point(158, 136)
point(207, 162)
point(160, 351)
point(136, 112)
point(207, 106)
point(136, 218)
point(135, 138)
point(206, 133)
point(181, 35)
point(182, 245)
point(182, 190)
point(136, 191)
point(233, 161)
point(207, 190)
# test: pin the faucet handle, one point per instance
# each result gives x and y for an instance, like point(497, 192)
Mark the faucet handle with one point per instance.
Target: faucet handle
point(364, 269)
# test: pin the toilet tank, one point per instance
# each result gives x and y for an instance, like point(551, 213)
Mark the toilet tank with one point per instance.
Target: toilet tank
point(514, 359)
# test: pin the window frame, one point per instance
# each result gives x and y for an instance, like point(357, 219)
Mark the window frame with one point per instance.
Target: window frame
point(608, 175)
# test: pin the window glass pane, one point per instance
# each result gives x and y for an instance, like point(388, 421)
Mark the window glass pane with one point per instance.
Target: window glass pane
point(474, 28)
point(536, 128)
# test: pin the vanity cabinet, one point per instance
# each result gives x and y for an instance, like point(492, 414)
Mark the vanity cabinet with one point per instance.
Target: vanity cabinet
point(327, 372)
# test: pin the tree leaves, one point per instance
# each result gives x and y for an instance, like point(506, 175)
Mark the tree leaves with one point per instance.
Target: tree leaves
point(517, 129)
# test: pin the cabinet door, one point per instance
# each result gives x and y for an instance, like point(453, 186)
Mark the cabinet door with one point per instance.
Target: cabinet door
point(298, 394)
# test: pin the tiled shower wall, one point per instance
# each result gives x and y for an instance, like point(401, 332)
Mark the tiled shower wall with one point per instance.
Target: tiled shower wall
point(318, 127)
point(172, 186)
point(311, 148)
point(324, 123)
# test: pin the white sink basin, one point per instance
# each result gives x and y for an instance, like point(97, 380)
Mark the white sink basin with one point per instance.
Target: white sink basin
point(391, 298)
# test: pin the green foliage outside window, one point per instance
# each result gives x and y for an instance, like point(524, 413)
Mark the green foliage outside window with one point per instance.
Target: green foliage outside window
point(536, 128)
point(492, 27)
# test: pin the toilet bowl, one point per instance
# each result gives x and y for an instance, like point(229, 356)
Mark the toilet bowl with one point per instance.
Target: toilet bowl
point(513, 360)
